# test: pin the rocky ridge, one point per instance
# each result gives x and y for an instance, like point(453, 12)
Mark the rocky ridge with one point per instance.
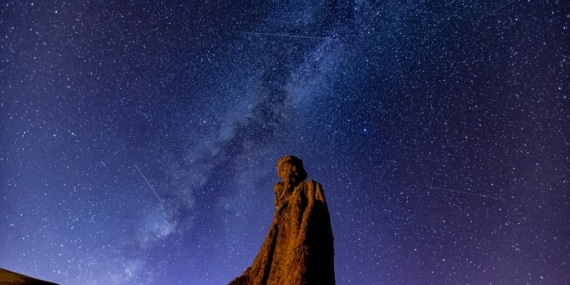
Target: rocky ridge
point(8, 277)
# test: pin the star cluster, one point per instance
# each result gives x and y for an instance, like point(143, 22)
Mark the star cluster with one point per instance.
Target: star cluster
point(138, 139)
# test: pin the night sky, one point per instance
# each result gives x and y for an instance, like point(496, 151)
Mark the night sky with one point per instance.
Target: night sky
point(139, 139)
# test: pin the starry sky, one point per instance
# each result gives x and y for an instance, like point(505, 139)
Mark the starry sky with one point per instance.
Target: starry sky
point(139, 139)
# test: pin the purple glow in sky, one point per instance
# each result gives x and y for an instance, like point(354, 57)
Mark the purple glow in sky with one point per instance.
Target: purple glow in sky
point(138, 139)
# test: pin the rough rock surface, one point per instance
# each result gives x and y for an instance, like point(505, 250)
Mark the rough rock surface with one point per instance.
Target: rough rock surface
point(298, 249)
point(12, 278)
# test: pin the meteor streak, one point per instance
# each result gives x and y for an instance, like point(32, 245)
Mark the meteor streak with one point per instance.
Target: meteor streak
point(151, 188)
point(464, 192)
point(285, 35)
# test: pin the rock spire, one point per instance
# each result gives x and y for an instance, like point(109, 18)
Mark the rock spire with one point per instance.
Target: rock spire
point(298, 249)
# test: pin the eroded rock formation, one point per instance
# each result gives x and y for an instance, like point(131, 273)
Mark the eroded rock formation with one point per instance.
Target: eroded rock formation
point(298, 249)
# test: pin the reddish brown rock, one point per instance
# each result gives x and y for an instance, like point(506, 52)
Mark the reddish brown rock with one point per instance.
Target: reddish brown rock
point(298, 249)
point(12, 278)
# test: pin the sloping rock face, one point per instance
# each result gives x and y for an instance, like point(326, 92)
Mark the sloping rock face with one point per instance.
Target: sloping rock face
point(298, 249)
point(12, 278)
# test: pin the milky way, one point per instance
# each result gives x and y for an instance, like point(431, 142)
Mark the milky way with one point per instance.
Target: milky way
point(138, 141)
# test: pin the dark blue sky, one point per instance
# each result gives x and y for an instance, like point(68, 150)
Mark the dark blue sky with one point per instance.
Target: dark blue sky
point(138, 141)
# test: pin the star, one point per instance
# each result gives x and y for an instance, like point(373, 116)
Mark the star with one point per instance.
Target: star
point(138, 141)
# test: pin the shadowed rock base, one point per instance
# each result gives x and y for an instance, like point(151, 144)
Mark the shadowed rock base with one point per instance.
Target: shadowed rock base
point(298, 249)
point(13, 278)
